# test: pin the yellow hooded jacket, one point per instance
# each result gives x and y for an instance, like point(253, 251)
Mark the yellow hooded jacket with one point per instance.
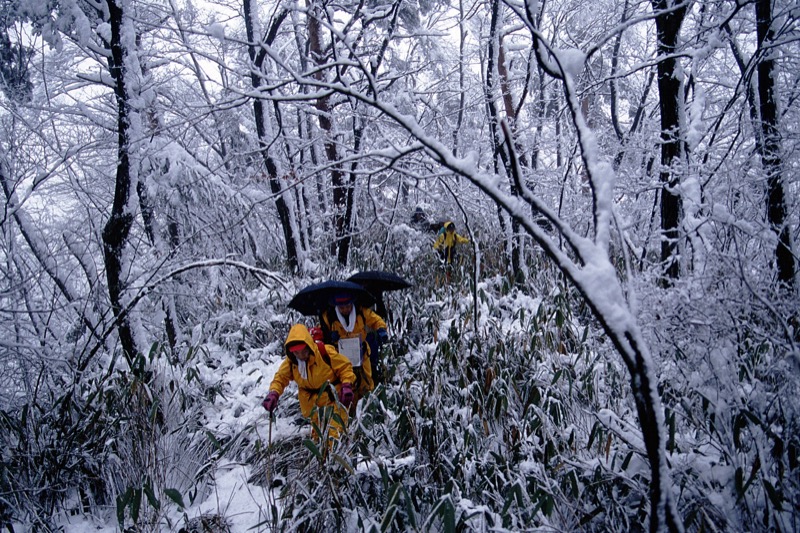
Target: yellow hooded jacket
point(339, 371)
point(447, 240)
point(366, 320)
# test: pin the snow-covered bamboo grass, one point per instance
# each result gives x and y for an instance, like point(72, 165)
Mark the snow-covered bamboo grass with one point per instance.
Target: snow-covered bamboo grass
point(588, 266)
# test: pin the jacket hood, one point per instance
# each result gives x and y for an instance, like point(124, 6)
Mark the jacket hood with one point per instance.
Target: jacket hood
point(299, 333)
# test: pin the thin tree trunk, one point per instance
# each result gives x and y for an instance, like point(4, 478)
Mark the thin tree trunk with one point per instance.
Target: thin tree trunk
point(495, 61)
point(311, 223)
point(462, 38)
point(771, 154)
point(43, 256)
point(261, 118)
point(668, 24)
point(342, 209)
point(627, 339)
point(118, 227)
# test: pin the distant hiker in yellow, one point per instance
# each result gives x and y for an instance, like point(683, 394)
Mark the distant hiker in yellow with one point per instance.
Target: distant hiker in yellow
point(446, 241)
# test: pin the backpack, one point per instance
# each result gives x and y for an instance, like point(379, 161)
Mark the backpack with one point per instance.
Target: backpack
point(437, 227)
point(316, 334)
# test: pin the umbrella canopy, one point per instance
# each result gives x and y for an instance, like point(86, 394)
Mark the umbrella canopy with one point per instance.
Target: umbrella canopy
point(315, 298)
point(378, 281)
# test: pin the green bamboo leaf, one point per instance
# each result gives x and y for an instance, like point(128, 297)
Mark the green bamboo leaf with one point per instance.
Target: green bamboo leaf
point(175, 496)
point(342, 461)
point(391, 507)
point(154, 410)
point(739, 481)
point(513, 494)
point(753, 473)
point(548, 505)
point(591, 515)
point(739, 423)
point(774, 496)
point(627, 461)
point(122, 502)
point(385, 478)
point(151, 496)
point(449, 515)
point(411, 515)
point(210, 436)
point(312, 446)
point(153, 351)
point(136, 504)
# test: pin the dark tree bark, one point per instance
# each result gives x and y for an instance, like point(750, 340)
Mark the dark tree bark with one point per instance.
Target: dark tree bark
point(669, 15)
point(496, 61)
point(260, 114)
point(771, 145)
point(342, 195)
point(462, 37)
point(117, 230)
point(627, 340)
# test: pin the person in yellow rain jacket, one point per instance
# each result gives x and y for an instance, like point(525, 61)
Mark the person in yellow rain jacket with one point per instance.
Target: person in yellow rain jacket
point(306, 365)
point(347, 324)
point(446, 241)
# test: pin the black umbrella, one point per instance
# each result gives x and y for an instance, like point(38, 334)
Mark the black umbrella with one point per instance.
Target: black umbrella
point(315, 298)
point(377, 281)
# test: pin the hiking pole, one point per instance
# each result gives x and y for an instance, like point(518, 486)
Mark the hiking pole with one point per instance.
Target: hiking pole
point(269, 452)
point(272, 517)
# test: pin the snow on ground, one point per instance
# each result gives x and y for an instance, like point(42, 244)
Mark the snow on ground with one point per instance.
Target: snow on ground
point(243, 505)
point(237, 409)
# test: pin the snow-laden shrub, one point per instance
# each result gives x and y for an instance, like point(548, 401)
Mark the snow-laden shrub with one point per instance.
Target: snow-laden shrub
point(480, 431)
point(733, 425)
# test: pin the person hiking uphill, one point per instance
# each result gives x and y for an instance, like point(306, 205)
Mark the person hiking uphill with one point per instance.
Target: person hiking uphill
point(310, 367)
point(446, 241)
point(347, 324)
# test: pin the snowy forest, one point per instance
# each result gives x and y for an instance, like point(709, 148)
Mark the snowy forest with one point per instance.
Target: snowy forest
point(615, 347)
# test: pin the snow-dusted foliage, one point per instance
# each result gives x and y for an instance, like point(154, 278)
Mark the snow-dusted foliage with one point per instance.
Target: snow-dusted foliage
point(562, 375)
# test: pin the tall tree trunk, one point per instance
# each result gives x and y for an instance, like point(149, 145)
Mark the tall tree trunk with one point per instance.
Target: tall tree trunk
point(261, 117)
point(342, 197)
point(495, 62)
point(627, 338)
point(310, 223)
point(668, 24)
point(462, 38)
point(771, 144)
point(118, 227)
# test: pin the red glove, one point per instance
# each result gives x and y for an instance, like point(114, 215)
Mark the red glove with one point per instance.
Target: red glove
point(346, 394)
point(271, 401)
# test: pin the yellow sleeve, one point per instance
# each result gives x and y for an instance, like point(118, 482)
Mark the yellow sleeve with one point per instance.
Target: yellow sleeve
point(372, 319)
point(282, 377)
point(461, 239)
point(439, 241)
point(341, 365)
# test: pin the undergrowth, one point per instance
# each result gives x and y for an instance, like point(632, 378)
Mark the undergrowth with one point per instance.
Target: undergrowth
point(520, 420)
